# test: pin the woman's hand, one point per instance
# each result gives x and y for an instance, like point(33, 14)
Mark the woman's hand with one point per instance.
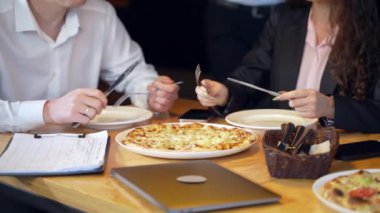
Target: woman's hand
point(162, 94)
point(212, 93)
point(80, 105)
point(309, 103)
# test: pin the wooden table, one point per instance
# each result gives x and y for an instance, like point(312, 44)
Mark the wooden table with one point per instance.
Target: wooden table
point(101, 193)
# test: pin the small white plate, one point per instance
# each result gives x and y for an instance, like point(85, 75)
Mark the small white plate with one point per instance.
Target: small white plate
point(114, 117)
point(172, 154)
point(324, 179)
point(266, 119)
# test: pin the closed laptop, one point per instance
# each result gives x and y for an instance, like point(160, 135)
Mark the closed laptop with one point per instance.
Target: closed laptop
point(218, 187)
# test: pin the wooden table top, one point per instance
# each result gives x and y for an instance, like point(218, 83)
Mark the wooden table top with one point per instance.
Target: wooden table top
point(102, 193)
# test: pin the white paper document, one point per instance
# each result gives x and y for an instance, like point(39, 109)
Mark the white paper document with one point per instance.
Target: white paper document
point(54, 153)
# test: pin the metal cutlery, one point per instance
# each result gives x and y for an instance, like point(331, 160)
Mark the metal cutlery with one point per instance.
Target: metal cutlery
point(197, 75)
point(254, 87)
point(121, 78)
point(114, 85)
point(199, 83)
point(198, 80)
point(128, 95)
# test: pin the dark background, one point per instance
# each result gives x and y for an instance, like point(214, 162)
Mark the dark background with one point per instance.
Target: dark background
point(170, 32)
point(171, 35)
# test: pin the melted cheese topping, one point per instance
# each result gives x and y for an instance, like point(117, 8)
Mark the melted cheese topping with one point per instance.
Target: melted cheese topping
point(189, 137)
point(359, 191)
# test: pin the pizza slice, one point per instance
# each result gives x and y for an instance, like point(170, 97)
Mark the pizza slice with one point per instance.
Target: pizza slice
point(359, 191)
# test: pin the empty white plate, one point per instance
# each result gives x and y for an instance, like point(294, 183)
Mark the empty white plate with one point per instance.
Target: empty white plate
point(115, 117)
point(266, 119)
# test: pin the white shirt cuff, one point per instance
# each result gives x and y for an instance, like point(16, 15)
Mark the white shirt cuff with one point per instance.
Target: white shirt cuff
point(31, 114)
point(141, 102)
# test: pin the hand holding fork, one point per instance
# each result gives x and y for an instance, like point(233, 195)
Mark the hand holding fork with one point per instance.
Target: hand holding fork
point(128, 95)
point(162, 94)
point(210, 93)
point(203, 88)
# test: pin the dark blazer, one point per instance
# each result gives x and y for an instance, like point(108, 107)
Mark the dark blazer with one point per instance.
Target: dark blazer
point(275, 62)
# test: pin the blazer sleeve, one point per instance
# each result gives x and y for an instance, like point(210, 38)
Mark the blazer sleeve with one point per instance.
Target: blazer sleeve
point(255, 68)
point(358, 115)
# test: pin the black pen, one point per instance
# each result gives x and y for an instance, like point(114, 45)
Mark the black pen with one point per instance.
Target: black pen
point(114, 85)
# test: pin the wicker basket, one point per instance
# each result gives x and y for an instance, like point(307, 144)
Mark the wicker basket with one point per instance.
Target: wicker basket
point(283, 165)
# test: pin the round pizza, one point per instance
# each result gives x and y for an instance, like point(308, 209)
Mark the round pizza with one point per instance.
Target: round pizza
point(189, 137)
point(359, 191)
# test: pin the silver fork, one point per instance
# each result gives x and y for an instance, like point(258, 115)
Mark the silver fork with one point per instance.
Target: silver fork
point(198, 81)
point(197, 75)
point(128, 95)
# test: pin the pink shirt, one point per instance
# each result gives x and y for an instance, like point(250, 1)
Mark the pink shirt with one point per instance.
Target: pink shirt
point(315, 57)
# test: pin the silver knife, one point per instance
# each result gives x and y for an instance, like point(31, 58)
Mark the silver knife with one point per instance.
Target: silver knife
point(114, 85)
point(121, 78)
point(254, 87)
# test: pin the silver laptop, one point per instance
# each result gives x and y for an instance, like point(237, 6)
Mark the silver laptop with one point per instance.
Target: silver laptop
point(218, 187)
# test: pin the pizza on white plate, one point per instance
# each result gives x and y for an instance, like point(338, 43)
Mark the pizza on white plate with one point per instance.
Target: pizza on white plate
point(189, 137)
point(359, 191)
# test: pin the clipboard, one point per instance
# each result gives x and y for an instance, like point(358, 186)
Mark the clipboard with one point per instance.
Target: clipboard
point(55, 154)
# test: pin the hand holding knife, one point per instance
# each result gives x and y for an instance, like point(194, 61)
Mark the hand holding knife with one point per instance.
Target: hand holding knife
point(121, 78)
point(113, 86)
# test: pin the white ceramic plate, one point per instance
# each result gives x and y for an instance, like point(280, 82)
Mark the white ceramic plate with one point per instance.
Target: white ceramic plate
point(180, 154)
point(114, 117)
point(324, 179)
point(266, 119)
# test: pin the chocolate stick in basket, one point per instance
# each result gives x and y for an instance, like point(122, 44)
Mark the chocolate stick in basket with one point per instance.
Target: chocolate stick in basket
point(301, 143)
point(286, 130)
point(297, 136)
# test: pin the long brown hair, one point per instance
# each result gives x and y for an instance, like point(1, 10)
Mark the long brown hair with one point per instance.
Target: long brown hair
point(355, 58)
